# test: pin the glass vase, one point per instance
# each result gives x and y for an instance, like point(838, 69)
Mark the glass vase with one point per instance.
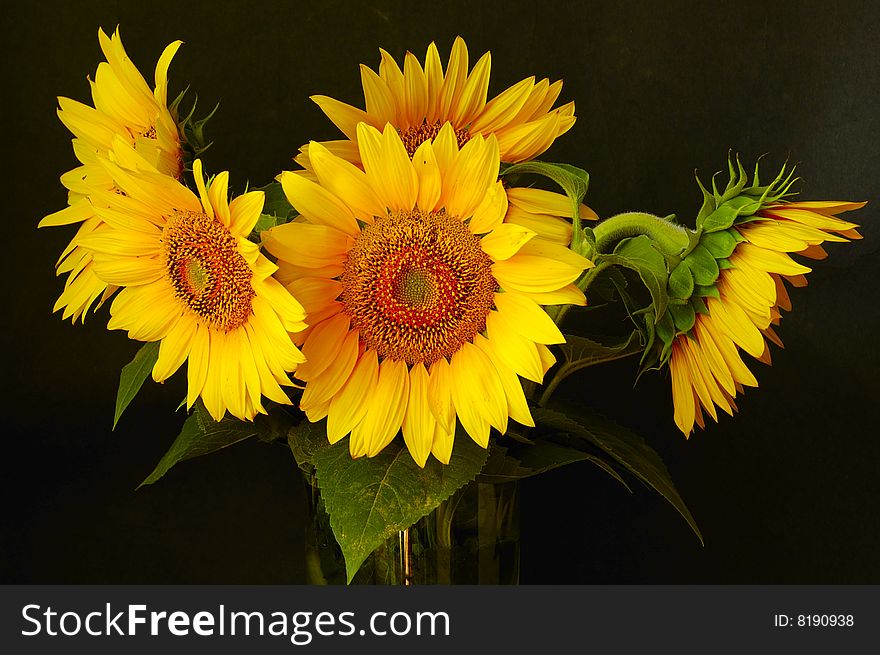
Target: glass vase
point(472, 537)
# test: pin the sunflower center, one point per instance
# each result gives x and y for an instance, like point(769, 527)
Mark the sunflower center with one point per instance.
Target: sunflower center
point(417, 286)
point(206, 270)
point(416, 135)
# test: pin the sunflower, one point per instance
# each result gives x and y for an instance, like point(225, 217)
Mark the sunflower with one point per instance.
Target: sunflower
point(423, 304)
point(193, 281)
point(706, 367)
point(124, 106)
point(419, 100)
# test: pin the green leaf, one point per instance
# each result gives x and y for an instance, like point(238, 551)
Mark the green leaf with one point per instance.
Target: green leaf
point(276, 203)
point(639, 254)
point(627, 448)
point(702, 265)
point(133, 375)
point(581, 352)
point(371, 498)
point(681, 282)
point(265, 222)
point(574, 182)
point(201, 435)
point(305, 439)
point(509, 464)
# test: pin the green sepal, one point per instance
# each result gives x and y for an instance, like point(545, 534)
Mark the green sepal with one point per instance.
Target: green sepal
point(738, 180)
point(702, 265)
point(666, 328)
point(699, 305)
point(192, 132)
point(681, 282)
point(710, 291)
point(719, 244)
point(683, 316)
point(723, 264)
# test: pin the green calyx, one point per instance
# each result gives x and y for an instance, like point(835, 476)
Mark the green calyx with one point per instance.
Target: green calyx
point(740, 200)
point(193, 140)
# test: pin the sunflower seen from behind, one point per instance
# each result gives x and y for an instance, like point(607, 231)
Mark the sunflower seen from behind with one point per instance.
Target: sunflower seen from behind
point(423, 305)
point(420, 99)
point(192, 280)
point(733, 289)
point(124, 107)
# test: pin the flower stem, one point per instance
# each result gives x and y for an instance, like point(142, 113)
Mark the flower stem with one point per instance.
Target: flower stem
point(669, 238)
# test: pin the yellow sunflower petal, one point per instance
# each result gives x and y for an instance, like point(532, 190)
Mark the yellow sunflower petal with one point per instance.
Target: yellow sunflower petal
point(418, 421)
point(527, 318)
point(505, 241)
point(316, 203)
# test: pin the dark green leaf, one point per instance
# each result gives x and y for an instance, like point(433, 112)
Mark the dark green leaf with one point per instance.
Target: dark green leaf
point(371, 498)
point(133, 376)
point(201, 435)
point(507, 465)
point(681, 282)
point(581, 352)
point(265, 222)
point(276, 203)
point(627, 448)
point(305, 439)
point(639, 254)
point(702, 265)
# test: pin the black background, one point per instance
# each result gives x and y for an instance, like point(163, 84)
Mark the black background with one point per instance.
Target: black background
point(787, 492)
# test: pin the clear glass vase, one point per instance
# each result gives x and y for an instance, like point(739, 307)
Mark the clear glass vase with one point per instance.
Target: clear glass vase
point(470, 538)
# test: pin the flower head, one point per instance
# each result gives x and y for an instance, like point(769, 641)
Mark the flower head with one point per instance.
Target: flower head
point(124, 107)
point(192, 280)
point(423, 304)
point(733, 285)
point(418, 100)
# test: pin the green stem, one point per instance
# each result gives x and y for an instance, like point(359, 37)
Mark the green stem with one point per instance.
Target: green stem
point(583, 283)
point(670, 238)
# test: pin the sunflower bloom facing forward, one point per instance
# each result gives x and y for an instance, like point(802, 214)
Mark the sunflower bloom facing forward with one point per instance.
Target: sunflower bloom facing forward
point(706, 367)
point(423, 304)
point(124, 107)
point(418, 100)
point(193, 281)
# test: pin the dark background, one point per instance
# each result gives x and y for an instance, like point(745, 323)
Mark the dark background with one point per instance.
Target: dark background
point(785, 493)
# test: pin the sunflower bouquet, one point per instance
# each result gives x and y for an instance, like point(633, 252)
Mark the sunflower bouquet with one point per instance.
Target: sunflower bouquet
point(399, 310)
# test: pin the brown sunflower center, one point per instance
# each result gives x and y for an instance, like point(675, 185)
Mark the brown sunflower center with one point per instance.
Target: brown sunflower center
point(416, 135)
point(206, 269)
point(417, 286)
